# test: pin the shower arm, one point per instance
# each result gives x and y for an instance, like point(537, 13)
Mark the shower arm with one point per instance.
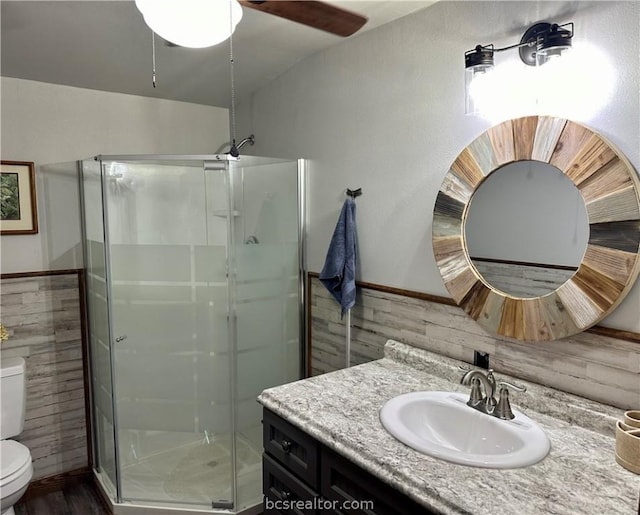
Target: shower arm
point(249, 139)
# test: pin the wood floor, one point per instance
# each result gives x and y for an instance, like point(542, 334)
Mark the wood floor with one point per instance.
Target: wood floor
point(81, 498)
point(78, 499)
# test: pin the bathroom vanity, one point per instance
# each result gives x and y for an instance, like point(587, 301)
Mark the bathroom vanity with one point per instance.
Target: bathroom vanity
point(297, 467)
point(323, 439)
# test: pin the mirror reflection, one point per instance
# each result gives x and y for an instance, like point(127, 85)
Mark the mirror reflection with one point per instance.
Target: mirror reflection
point(526, 229)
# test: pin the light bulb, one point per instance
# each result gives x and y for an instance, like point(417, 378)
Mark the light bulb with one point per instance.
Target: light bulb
point(191, 23)
point(578, 84)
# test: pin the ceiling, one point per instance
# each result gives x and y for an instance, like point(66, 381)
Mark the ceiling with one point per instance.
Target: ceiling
point(106, 45)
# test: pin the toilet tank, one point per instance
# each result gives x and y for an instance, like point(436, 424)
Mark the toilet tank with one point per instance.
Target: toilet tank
point(12, 397)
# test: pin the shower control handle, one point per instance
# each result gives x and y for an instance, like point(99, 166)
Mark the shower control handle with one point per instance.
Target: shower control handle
point(286, 446)
point(121, 338)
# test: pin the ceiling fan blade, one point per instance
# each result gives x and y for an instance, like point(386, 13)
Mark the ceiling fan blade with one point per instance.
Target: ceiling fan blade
point(318, 15)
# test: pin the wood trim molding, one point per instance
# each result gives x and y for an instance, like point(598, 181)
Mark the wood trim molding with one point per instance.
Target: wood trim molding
point(86, 362)
point(397, 291)
point(597, 329)
point(42, 273)
point(407, 293)
point(609, 186)
point(629, 336)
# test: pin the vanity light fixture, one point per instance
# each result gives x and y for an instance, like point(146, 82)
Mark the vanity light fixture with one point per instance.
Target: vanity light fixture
point(191, 23)
point(539, 44)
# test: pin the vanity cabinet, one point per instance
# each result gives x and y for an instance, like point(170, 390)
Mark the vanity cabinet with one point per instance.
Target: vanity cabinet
point(308, 478)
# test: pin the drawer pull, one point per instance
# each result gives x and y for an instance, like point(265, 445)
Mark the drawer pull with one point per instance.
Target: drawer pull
point(286, 495)
point(286, 446)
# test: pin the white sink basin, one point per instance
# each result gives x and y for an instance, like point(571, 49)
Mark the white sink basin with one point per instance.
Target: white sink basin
point(441, 425)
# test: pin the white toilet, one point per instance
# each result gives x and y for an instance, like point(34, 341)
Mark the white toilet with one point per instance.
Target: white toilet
point(16, 469)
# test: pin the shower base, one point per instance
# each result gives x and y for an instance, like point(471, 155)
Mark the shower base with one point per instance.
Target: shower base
point(189, 476)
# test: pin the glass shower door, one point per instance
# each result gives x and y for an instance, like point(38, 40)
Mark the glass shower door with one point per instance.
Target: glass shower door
point(265, 236)
point(167, 254)
point(97, 313)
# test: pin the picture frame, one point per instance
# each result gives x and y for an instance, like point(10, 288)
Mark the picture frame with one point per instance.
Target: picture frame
point(18, 205)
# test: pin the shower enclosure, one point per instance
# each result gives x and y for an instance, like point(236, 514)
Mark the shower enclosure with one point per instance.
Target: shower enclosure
point(194, 295)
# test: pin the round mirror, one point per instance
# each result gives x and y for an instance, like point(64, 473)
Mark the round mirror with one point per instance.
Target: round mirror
point(526, 229)
point(466, 234)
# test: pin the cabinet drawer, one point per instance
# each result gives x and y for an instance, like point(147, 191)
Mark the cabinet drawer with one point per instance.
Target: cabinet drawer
point(296, 450)
point(281, 487)
point(342, 480)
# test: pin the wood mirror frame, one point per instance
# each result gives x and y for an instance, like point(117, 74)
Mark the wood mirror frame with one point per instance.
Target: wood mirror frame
point(610, 188)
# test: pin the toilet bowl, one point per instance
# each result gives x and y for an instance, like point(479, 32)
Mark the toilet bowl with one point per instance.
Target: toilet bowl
point(16, 471)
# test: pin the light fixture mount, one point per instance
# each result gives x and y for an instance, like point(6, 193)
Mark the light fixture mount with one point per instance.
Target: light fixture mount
point(529, 42)
point(542, 38)
point(479, 56)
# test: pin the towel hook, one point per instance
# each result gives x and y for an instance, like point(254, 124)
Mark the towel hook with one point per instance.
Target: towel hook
point(354, 193)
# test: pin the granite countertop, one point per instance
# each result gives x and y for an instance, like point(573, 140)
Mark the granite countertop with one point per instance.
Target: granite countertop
point(579, 476)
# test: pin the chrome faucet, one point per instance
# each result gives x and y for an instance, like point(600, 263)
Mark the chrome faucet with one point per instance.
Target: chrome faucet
point(488, 404)
point(475, 378)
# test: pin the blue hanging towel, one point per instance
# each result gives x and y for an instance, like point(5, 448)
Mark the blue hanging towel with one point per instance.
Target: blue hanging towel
point(339, 272)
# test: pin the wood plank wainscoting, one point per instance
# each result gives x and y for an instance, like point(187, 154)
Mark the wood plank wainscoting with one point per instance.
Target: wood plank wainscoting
point(601, 364)
point(44, 313)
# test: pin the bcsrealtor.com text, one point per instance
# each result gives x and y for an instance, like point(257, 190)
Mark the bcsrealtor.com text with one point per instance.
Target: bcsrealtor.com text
point(317, 503)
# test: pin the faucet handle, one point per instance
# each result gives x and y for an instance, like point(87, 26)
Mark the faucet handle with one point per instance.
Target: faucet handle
point(475, 396)
point(517, 388)
point(503, 408)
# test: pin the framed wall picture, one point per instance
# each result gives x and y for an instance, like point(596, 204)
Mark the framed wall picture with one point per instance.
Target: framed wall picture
point(18, 209)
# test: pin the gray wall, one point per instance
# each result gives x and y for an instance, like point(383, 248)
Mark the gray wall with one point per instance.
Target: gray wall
point(385, 111)
point(50, 124)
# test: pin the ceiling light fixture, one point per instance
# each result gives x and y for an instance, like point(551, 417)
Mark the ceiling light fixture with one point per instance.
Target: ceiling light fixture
point(191, 23)
point(539, 44)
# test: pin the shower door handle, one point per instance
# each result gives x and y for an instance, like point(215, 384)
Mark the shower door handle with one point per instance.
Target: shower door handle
point(121, 338)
